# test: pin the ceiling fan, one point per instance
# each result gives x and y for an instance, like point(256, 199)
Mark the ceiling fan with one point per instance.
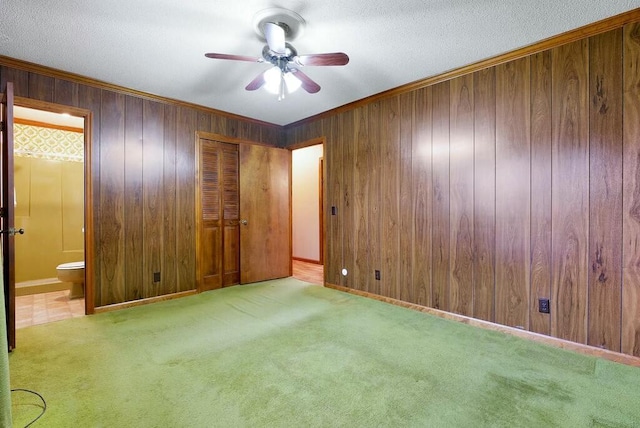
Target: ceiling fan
point(275, 25)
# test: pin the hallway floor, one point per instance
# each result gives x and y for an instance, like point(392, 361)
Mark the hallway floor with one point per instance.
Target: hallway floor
point(309, 272)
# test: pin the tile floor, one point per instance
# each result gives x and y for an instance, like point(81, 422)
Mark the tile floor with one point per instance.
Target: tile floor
point(47, 307)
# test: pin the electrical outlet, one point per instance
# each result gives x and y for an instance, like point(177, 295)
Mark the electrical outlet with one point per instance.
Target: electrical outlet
point(377, 274)
point(156, 277)
point(543, 306)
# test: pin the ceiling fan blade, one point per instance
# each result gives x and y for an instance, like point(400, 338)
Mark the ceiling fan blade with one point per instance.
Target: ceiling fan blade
point(337, 58)
point(233, 57)
point(275, 37)
point(307, 84)
point(257, 82)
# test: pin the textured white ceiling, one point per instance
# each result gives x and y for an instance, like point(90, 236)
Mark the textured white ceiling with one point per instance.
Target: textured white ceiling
point(158, 46)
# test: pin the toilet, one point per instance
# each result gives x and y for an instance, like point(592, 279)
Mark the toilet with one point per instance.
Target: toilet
point(73, 273)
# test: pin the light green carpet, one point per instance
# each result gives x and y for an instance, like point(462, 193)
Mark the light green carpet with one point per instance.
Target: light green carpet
point(5, 394)
point(285, 353)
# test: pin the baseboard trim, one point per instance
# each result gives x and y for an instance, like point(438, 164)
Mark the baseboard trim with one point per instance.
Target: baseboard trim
point(39, 286)
point(536, 337)
point(140, 302)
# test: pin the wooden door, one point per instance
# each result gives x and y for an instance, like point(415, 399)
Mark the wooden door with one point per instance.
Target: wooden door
point(265, 211)
point(8, 249)
point(218, 262)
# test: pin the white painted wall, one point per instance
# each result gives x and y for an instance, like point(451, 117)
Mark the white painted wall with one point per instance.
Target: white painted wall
point(306, 202)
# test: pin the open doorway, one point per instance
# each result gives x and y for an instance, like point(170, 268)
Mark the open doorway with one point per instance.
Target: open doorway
point(49, 177)
point(307, 213)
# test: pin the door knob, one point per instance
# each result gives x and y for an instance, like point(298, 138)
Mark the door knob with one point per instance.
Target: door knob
point(13, 231)
point(244, 222)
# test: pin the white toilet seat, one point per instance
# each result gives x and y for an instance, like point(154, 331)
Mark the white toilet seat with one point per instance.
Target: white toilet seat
point(72, 265)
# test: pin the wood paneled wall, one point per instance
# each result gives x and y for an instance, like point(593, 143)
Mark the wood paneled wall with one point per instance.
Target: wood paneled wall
point(481, 194)
point(143, 167)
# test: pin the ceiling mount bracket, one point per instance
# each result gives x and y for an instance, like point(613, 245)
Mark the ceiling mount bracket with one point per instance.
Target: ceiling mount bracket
point(292, 23)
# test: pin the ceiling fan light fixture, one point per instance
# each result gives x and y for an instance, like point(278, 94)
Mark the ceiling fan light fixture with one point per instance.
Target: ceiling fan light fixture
point(273, 81)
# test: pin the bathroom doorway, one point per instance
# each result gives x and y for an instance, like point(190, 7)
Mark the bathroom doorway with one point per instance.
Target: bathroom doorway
point(49, 183)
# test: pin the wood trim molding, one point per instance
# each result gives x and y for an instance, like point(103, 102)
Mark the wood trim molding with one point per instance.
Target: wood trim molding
point(524, 334)
point(47, 125)
point(140, 302)
point(230, 140)
point(321, 206)
point(588, 30)
point(76, 78)
point(307, 143)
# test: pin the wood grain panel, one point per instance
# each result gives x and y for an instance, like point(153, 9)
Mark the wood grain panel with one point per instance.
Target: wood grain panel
point(440, 209)
point(41, 87)
point(375, 173)
point(544, 205)
point(484, 190)
point(244, 131)
point(334, 201)
point(390, 189)
point(204, 121)
point(461, 160)
point(185, 200)
point(65, 92)
point(347, 141)
point(512, 193)
point(540, 189)
point(133, 197)
point(570, 191)
point(218, 125)
point(272, 135)
point(406, 286)
point(363, 267)
point(422, 195)
point(114, 170)
point(171, 231)
point(111, 218)
point(19, 78)
point(605, 200)
point(233, 125)
point(152, 167)
point(631, 193)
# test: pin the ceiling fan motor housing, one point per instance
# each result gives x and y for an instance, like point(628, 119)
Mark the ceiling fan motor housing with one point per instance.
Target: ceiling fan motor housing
point(278, 59)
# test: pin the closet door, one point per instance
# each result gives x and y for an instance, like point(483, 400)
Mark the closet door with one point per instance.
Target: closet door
point(217, 238)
